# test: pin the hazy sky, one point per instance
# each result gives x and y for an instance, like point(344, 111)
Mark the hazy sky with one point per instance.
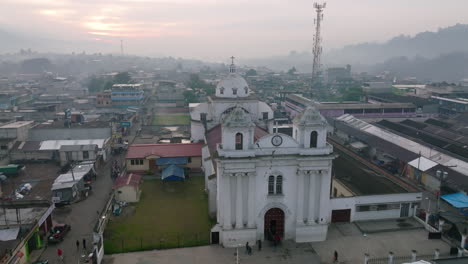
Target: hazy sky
point(216, 29)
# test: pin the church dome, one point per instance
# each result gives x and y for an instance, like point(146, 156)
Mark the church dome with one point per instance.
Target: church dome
point(233, 85)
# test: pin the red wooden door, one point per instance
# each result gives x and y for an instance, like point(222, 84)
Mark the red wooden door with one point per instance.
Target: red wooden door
point(274, 223)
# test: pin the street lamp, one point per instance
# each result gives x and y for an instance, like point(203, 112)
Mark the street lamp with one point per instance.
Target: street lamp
point(441, 175)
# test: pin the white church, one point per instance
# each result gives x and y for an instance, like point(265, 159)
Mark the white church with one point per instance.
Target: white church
point(262, 184)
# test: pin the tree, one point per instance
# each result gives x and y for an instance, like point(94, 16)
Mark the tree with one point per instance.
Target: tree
point(122, 77)
point(196, 83)
point(190, 96)
point(95, 84)
point(251, 72)
point(292, 71)
point(353, 94)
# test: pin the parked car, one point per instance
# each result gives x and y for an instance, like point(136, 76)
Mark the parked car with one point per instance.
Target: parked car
point(58, 233)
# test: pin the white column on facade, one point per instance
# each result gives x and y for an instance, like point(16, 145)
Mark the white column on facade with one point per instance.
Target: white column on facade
point(312, 198)
point(318, 194)
point(239, 218)
point(300, 198)
point(251, 202)
point(226, 201)
point(324, 196)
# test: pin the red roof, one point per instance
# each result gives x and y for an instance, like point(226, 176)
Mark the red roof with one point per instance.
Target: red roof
point(140, 151)
point(128, 180)
point(213, 136)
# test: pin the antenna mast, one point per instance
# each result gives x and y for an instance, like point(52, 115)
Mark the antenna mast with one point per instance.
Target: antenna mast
point(317, 49)
point(121, 47)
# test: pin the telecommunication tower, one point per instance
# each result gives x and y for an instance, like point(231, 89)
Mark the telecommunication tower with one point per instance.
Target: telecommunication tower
point(317, 50)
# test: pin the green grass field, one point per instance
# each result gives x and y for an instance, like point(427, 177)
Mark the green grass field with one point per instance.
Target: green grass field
point(169, 215)
point(171, 119)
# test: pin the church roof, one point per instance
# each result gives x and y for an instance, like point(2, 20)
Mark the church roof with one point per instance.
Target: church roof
point(233, 85)
point(311, 116)
point(213, 136)
point(238, 117)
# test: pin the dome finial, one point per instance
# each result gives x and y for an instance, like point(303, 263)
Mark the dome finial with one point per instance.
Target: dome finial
point(232, 68)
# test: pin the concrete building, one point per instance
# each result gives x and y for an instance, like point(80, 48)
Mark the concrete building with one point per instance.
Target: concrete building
point(127, 95)
point(338, 73)
point(156, 157)
point(17, 130)
point(295, 104)
point(127, 188)
point(24, 226)
point(451, 106)
point(104, 99)
point(73, 153)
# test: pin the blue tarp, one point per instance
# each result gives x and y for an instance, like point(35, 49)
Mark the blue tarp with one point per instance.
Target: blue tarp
point(457, 200)
point(172, 161)
point(173, 173)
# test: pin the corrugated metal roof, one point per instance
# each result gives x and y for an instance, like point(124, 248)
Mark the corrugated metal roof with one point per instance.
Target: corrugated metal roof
point(57, 144)
point(140, 151)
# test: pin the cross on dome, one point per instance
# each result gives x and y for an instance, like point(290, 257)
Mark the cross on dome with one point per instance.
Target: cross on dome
point(232, 68)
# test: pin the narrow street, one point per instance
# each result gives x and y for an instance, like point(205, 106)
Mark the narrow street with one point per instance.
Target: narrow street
point(82, 216)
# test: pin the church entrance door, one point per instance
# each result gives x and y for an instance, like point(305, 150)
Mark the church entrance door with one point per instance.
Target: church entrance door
point(274, 223)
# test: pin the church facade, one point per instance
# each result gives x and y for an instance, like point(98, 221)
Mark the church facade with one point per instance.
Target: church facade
point(262, 184)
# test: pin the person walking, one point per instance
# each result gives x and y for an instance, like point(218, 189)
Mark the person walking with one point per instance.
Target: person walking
point(335, 257)
point(247, 247)
point(84, 243)
point(259, 243)
point(77, 245)
point(60, 254)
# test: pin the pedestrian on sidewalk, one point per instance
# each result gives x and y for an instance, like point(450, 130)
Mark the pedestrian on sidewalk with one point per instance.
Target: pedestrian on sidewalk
point(77, 245)
point(84, 243)
point(335, 257)
point(259, 243)
point(247, 247)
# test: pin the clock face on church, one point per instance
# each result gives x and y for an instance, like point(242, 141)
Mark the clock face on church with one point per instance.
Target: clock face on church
point(276, 140)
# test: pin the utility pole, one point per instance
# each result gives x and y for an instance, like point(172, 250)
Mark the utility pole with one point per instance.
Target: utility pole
point(317, 49)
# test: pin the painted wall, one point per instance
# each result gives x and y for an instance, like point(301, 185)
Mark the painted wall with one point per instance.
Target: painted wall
point(352, 202)
point(76, 156)
point(149, 164)
point(341, 189)
point(144, 167)
point(129, 194)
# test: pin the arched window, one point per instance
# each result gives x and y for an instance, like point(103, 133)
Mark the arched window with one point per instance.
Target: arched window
point(239, 141)
point(234, 91)
point(279, 184)
point(271, 185)
point(246, 90)
point(313, 139)
point(221, 90)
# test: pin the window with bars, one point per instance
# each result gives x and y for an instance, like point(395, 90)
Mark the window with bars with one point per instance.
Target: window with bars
point(275, 185)
point(279, 184)
point(271, 185)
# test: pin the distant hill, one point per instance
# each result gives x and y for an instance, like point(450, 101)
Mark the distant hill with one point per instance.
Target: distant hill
point(451, 67)
point(425, 44)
